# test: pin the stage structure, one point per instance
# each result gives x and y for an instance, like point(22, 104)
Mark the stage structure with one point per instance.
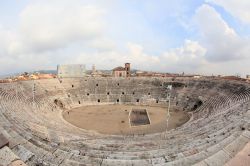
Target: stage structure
point(71, 71)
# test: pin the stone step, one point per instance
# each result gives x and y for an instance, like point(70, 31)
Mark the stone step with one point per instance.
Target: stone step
point(7, 156)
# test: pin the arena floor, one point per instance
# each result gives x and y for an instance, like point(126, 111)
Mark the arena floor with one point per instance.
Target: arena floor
point(114, 119)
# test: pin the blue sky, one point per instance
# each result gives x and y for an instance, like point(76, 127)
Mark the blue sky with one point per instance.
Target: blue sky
point(191, 36)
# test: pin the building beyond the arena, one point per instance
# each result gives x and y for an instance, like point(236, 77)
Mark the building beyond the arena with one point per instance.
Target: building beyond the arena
point(73, 70)
point(121, 71)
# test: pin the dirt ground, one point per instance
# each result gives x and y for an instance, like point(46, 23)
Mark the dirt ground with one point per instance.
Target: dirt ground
point(114, 119)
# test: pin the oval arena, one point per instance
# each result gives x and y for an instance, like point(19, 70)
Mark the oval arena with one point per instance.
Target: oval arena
point(124, 121)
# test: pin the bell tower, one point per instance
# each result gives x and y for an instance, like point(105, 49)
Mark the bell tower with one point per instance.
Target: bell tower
point(127, 68)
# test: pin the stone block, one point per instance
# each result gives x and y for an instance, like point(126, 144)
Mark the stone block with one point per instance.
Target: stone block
point(7, 156)
point(17, 163)
point(3, 141)
point(218, 159)
point(23, 153)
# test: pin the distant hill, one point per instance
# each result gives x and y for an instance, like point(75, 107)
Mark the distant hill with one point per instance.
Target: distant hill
point(3, 76)
point(39, 71)
point(9, 75)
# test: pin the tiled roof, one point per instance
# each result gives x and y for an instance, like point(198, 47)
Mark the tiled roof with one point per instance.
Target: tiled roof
point(119, 69)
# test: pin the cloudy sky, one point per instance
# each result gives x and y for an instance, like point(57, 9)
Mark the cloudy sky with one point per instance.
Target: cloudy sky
point(191, 36)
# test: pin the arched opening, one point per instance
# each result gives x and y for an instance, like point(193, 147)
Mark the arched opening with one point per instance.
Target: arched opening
point(197, 104)
point(58, 103)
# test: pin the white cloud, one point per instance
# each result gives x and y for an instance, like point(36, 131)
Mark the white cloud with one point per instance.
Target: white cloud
point(239, 9)
point(221, 41)
point(102, 44)
point(46, 27)
point(189, 58)
point(109, 59)
point(49, 26)
point(61, 31)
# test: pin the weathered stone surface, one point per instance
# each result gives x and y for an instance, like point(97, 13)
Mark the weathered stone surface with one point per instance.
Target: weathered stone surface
point(7, 156)
point(109, 162)
point(246, 134)
point(202, 163)
point(86, 160)
point(54, 137)
point(190, 152)
point(218, 159)
point(190, 160)
point(57, 157)
point(17, 163)
point(68, 162)
point(23, 153)
point(39, 136)
point(3, 141)
point(156, 161)
point(15, 139)
point(234, 147)
point(242, 158)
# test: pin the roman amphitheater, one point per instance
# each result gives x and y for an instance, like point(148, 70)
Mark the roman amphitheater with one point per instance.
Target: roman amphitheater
point(125, 121)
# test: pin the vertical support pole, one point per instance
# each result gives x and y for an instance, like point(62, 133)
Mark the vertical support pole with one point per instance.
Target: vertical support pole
point(16, 88)
point(33, 93)
point(169, 98)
